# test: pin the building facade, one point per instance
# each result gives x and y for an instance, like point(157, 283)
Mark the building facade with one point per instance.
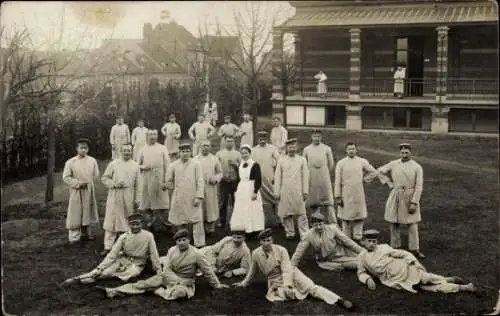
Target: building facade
point(448, 48)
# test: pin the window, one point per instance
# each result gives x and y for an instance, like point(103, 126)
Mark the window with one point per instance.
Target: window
point(294, 115)
point(335, 116)
point(399, 118)
point(402, 51)
point(415, 118)
point(315, 116)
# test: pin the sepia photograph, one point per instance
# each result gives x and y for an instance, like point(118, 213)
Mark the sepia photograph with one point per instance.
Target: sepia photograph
point(250, 157)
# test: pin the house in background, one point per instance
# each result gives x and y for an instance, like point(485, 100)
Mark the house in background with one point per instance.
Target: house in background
point(449, 49)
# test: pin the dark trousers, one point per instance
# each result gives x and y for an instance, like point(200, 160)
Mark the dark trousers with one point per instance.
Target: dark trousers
point(227, 189)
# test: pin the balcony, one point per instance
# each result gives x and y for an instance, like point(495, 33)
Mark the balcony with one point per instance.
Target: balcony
point(458, 89)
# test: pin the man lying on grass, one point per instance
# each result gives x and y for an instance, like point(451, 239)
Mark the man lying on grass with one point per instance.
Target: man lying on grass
point(401, 270)
point(230, 256)
point(285, 282)
point(127, 257)
point(333, 250)
point(177, 278)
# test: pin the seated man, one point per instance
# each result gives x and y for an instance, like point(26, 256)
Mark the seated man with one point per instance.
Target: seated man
point(333, 249)
point(230, 255)
point(285, 282)
point(177, 278)
point(399, 269)
point(127, 257)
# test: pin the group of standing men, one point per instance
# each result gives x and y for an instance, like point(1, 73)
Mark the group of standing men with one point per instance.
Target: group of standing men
point(290, 182)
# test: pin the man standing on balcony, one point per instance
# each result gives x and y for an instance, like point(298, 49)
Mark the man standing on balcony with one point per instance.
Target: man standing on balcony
point(291, 188)
point(321, 163)
point(321, 77)
point(403, 204)
point(399, 82)
point(279, 135)
point(199, 132)
point(119, 136)
point(267, 156)
point(227, 129)
point(172, 133)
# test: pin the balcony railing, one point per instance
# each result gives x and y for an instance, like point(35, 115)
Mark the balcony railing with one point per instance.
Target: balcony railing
point(335, 88)
point(383, 88)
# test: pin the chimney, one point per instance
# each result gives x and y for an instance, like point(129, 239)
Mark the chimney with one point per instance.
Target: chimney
point(147, 32)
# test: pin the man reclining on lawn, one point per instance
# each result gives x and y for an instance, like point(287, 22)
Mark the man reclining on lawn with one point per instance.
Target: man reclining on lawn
point(399, 269)
point(127, 257)
point(177, 278)
point(333, 249)
point(284, 281)
point(230, 256)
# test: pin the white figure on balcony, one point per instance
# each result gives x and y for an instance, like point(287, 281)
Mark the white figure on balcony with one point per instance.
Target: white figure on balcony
point(210, 112)
point(321, 77)
point(399, 81)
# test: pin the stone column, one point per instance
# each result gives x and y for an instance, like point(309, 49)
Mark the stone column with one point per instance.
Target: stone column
point(439, 122)
point(277, 57)
point(355, 61)
point(353, 117)
point(442, 63)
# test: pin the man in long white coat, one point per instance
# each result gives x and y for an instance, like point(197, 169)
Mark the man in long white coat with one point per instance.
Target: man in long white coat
point(230, 256)
point(230, 159)
point(127, 257)
point(79, 173)
point(320, 161)
point(119, 136)
point(227, 129)
point(333, 250)
point(122, 178)
point(246, 131)
point(267, 156)
point(139, 138)
point(291, 189)
point(400, 270)
point(350, 173)
point(212, 174)
point(178, 276)
point(185, 177)
point(279, 135)
point(403, 204)
point(284, 281)
point(154, 162)
point(172, 132)
point(199, 132)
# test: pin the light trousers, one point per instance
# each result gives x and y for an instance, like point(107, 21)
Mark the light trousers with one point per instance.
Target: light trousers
point(198, 233)
point(109, 239)
point(324, 294)
point(339, 264)
point(76, 234)
point(437, 283)
point(413, 239)
point(353, 229)
point(289, 225)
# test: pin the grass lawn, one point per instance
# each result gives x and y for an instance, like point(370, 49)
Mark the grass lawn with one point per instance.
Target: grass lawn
point(459, 235)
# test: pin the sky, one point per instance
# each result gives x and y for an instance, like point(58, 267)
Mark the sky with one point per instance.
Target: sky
point(43, 18)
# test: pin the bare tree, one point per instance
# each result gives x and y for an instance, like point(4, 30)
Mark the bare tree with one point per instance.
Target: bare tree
point(252, 26)
point(57, 73)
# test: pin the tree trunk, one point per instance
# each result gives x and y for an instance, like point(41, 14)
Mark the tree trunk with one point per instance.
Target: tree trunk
point(51, 153)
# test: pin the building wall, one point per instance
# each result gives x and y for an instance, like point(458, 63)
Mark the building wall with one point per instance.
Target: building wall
point(473, 57)
point(326, 50)
point(376, 117)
